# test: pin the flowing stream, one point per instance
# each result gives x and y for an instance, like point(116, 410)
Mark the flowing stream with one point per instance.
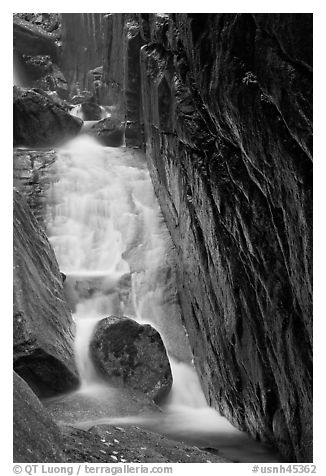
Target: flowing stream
point(112, 244)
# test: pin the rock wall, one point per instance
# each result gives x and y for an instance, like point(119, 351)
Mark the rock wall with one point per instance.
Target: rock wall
point(227, 104)
point(82, 47)
point(121, 73)
point(43, 327)
point(35, 435)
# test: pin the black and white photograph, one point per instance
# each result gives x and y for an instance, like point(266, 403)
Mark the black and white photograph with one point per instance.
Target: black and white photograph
point(162, 241)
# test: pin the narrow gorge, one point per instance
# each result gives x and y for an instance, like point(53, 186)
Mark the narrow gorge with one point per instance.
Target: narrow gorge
point(162, 237)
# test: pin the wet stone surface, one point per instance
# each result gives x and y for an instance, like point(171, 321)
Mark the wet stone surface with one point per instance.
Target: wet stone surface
point(33, 174)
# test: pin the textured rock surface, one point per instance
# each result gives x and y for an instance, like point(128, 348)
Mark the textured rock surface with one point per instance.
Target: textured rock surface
point(43, 340)
point(106, 443)
point(38, 121)
point(125, 352)
point(36, 438)
point(121, 73)
point(31, 39)
point(227, 108)
point(109, 132)
point(82, 48)
point(33, 176)
point(36, 47)
point(91, 111)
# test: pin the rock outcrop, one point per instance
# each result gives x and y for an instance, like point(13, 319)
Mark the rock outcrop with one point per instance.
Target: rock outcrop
point(43, 338)
point(31, 39)
point(36, 52)
point(227, 104)
point(33, 177)
point(109, 132)
point(127, 353)
point(39, 121)
point(36, 438)
point(91, 111)
point(121, 73)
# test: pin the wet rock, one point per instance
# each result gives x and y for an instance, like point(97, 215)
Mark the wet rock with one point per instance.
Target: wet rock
point(39, 122)
point(54, 96)
point(91, 111)
point(104, 402)
point(33, 176)
point(82, 48)
point(31, 39)
point(107, 443)
point(49, 22)
point(109, 132)
point(36, 438)
point(43, 327)
point(80, 98)
point(127, 353)
point(132, 89)
point(41, 72)
point(114, 61)
point(54, 81)
point(227, 102)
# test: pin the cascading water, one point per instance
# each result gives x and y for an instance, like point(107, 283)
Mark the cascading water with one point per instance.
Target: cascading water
point(78, 112)
point(111, 242)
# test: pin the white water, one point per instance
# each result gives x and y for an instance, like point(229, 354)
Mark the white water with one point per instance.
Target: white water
point(77, 111)
point(111, 242)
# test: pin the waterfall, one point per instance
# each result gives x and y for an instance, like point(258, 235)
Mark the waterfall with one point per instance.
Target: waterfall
point(111, 242)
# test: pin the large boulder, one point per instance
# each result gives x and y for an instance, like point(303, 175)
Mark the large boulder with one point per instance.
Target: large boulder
point(36, 438)
point(127, 353)
point(43, 338)
point(109, 132)
point(84, 96)
point(39, 71)
point(39, 121)
point(53, 80)
point(91, 111)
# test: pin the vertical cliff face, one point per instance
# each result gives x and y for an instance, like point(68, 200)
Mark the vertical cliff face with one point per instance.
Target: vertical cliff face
point(121, 73)
point(83, 36)
point(43, 327)
point(227, 104)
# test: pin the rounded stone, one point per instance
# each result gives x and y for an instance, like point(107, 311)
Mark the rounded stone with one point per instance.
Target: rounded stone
point(125, 352)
